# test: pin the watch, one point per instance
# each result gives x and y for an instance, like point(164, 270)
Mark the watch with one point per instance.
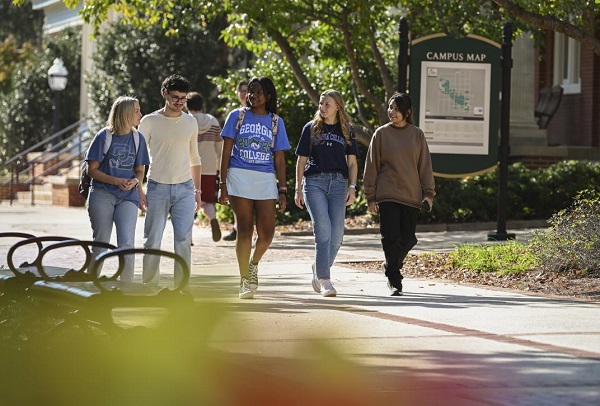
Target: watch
point(353, 186)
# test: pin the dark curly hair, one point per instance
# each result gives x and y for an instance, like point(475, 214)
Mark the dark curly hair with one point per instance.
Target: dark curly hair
point(177, 83)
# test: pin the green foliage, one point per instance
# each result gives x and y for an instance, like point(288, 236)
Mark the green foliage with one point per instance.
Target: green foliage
point(573, 240)
point(505, 258)
point(20, 32)
point(26, 111)
point(10, 57)
point(532, 194)
point(132, 61)
point(22, 23)
point(457, 18)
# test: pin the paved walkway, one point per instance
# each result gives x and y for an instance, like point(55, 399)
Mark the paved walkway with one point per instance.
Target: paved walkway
point(440, 343)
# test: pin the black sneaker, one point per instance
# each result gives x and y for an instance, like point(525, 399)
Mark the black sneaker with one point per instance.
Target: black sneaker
point(395, 287)
point(231, 236)
point(394, 283)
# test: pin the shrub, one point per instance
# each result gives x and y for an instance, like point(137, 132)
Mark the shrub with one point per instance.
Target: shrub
point(506, 258)
point(572, 242)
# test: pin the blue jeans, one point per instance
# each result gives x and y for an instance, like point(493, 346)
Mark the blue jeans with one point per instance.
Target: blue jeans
point(105, 209)
point(325, 199)
point(178, 200)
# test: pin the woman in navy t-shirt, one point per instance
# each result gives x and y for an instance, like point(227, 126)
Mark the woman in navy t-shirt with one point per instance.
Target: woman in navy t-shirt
point(326, 173)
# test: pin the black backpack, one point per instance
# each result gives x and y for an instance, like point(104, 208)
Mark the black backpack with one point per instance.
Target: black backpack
point(85, 181)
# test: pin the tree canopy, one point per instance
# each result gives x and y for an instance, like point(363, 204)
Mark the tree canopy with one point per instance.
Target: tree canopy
point(349, 45)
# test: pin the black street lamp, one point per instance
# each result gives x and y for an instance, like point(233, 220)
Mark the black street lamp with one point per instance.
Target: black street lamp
point(57, 80)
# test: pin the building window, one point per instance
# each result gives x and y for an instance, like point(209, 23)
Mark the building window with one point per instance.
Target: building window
point(567, 60)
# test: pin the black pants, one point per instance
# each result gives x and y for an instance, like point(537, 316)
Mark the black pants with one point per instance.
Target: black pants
point(397, 224)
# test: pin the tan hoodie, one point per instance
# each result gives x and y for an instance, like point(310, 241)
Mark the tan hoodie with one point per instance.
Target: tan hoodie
point(398, 166)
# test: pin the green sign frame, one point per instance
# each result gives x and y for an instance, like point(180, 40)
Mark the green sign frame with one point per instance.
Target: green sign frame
point(455, 87)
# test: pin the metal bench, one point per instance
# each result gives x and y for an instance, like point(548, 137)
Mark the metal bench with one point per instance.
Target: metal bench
point(92, 302)
point(18, 309)
point(548, 102)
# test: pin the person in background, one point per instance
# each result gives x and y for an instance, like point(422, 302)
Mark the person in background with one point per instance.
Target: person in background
point(175, 174)
point(210, 144)
point(253, 176)
point(242, 94)
point(398, 181)
point(116, 192)
point(326, 174)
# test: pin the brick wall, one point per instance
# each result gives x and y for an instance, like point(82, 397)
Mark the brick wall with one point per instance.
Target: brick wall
point(577, 120)
point(5, 191)
point(67, 195)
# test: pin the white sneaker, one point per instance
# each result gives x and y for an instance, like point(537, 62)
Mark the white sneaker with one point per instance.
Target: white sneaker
point(315, 280)
point(245, 291)
point(327, 289)
point(253, 276)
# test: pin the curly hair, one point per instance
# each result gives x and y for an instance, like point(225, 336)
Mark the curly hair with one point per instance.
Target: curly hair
point(177, 83)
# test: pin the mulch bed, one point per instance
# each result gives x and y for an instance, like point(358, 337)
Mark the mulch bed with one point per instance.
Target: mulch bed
point(572, 284)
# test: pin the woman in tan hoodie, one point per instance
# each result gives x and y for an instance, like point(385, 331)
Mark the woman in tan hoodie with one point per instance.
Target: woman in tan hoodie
point(398, 181)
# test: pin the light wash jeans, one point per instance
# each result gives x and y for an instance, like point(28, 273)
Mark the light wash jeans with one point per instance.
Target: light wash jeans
point(325, 199)
point(178, 200)
point(105, 209)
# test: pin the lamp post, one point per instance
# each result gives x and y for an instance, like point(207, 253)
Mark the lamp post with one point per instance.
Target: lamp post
point(57, 80)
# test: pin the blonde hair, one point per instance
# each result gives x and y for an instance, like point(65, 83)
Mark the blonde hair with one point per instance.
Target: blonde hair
point(318, 124)
point(121, 112)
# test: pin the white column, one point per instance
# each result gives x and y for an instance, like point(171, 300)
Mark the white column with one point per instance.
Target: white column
point(523, 128)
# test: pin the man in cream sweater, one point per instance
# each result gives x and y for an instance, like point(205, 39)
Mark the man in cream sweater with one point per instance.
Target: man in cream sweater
point(174, 178)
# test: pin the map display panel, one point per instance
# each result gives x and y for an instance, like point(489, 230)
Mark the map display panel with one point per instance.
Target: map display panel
point(455, 117)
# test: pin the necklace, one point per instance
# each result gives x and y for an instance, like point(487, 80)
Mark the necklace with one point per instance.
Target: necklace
point(326, 127)
point(327, 138)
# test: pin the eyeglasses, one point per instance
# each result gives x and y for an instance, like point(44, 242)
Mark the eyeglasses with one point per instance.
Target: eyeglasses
point(178, 99)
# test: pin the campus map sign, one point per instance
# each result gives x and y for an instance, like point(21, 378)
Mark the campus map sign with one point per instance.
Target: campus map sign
point(454, 84)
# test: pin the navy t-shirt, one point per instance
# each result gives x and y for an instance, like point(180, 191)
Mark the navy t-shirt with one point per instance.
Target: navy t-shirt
point(328, 152)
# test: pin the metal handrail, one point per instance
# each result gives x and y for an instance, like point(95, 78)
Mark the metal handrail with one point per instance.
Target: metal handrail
point(47, 156)
point(57, 152)
point(45, 141)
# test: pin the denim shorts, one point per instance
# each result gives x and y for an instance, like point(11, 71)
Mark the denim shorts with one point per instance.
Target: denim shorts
point(253, 185)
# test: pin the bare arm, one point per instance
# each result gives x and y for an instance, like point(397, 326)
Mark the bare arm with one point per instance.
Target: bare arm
point(225, 158)
point(352, 177)
point(196, 178)
point(300, 165)
point(280, 172)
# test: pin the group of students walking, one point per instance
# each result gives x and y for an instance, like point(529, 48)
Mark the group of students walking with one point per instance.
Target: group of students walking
point(398, 177)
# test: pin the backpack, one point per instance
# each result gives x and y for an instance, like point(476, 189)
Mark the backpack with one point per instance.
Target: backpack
point(85, 181)
point(274, 123)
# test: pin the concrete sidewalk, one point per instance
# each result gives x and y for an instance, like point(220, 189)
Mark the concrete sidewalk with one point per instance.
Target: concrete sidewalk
point(440, 343)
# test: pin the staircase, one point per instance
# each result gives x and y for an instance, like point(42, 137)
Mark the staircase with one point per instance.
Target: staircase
point(48, 172)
